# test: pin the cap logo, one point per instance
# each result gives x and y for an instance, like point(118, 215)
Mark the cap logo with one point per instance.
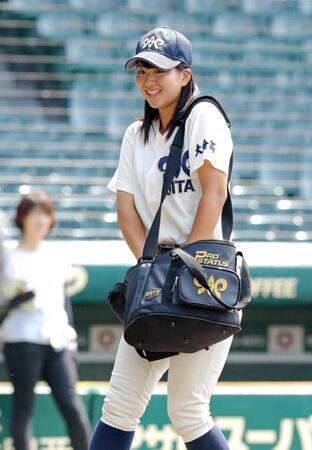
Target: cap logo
point(153, 42)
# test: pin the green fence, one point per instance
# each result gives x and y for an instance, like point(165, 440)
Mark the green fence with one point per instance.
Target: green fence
point(253, 417)
point(270, 285)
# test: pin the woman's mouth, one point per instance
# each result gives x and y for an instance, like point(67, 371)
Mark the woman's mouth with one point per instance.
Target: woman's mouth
point(152, 92)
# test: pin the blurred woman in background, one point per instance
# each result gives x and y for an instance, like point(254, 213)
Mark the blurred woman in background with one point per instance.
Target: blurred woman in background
point(38, 339)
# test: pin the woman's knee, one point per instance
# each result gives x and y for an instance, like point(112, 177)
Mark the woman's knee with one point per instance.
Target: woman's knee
point(122, 409)
point(127, 398)
point(131, 385)
point(190, 418)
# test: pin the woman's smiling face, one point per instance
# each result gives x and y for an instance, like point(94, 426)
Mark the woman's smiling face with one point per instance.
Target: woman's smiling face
point(161, 88)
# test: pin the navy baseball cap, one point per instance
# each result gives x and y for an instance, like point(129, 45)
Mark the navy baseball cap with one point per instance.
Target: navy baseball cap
point(163, 48)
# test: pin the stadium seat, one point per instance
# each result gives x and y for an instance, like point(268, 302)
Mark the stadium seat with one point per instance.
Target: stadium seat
point(203, 6)
point(236, 26)
point(33, 8)
point(129, 26)
point(292, 27)
point(268, 7)
point(96, 5)
point(154, 6)
point(63, 26)
point(305, 6)
point(190, 25)
point(82, 48)
point(87, 110)
point(306, 175)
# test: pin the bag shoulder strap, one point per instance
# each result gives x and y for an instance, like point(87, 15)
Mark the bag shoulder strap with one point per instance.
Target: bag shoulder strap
point(202, 98)
point(174, 159)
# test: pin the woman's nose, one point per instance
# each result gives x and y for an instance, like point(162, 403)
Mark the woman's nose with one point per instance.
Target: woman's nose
point(149, 80)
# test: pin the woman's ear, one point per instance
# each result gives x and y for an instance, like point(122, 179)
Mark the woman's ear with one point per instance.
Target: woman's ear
point(186, 76)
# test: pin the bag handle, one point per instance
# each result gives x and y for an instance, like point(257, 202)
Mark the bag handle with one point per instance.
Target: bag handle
point(173, 161)
point(198, 272)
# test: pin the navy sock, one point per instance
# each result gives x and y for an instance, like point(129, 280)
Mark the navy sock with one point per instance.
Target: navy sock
point(213, 440)
point(106, 437)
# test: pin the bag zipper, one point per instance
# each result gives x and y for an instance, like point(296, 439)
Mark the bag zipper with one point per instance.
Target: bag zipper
point(175, 283)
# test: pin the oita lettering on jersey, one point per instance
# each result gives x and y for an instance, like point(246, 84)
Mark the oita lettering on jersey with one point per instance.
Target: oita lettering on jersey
point(179, 186)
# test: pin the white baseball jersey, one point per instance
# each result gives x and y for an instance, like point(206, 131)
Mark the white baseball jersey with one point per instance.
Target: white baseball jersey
point(141, 167)
point(44, 319)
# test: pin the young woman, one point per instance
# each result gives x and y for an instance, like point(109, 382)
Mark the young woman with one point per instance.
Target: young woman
point(190, 212)
point(37, 336)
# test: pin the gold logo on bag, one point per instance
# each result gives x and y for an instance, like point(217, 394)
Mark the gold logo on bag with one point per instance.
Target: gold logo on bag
point(148, 295)
point(212, 259)
point(217, 287)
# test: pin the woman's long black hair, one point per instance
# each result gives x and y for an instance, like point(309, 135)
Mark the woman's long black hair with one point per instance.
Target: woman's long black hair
point(150, 114)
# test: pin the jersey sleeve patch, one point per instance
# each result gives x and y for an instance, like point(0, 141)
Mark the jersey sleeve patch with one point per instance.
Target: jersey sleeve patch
point(209, 138)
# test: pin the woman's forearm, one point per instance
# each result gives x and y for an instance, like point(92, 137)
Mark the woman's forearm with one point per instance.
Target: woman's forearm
point(133, 233)
point(130, 223)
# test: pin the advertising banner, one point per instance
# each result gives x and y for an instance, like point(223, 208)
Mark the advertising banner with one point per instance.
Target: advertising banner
point(270, 285)
point(251, 420)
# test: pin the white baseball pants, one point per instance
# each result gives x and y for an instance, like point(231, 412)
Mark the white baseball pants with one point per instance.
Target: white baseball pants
point(192, 378)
